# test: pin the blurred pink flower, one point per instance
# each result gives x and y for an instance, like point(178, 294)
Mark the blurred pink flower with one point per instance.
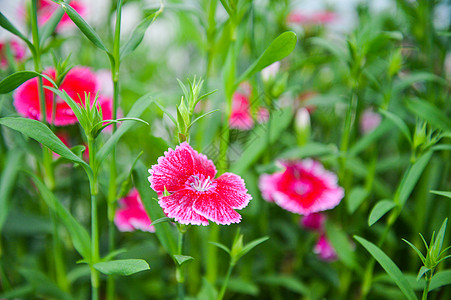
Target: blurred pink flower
point(46, 8)
point(324, 249)
point(17, 49)
point(195, 195)
point(78, 81)
point(311, 18)
point(304, 187)
point(262, 115)
point(240, 117)
point(131, 214)
point(314, 221)
point(369, 120)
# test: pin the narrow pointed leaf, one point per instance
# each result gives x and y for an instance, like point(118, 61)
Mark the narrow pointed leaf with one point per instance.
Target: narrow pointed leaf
point(355, 198)
point(14, 80)
point(135, 112)
point(5, 23)
point(221, 246)
point(7, 181)
point(248, 247)
point(279, 48)
point(181, 259)
point(161, 220)
point(430, 113)
point(124, 267)
point(399, 123)
point(379, 210)
point(422, 271)
point(78, 234)
point(389, 266)
point(438, 243)
point(423, 259)
point(442, 193)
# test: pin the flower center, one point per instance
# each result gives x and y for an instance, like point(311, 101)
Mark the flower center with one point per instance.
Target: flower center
point(201, 183)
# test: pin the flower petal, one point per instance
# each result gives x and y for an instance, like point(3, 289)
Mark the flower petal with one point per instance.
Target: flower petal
point(268, 185)
point(202, 165)
point(179, 206)
point(214, 208)
point(231, 189)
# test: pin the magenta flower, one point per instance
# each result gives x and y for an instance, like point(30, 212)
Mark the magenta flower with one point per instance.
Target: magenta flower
point(314, 221)
point(195, 195)
point(17, 51)
point(304, 187)
point(78, 81)
point(131, 215)
point(324, 249)
point(241, 118)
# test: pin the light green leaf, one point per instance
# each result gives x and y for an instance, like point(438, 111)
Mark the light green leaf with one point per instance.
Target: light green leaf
point(288, 282)
point(438, 243)
point(5, 23)
point(43, 285)
point(41, 133)
point(50, 25)
point(7, 181)
point(430, 113)
point(78, 234)
point(135, 112)
point(423, 270)
point(389, 266)
point(279, 48)
point(417, 77)
point(370, 138)
point(161, 220)
point(181, 259)
point(440, 279)
point(248, 247)
point(221, 246)
point(241, 286)
point(14, 80)
point(342, 245)
point(399, 123)
point(423, 259)
point(379, 210)
point(124, 267)
point(137, 35)
point(84, 27)
point(442, 193)
point(355, 198)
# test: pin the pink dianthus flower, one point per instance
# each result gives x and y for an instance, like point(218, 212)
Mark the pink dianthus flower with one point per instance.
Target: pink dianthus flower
point(241, 118)
point(132, 215)
point(324, 249)
point(195, 195)
point(304, 187)
point(77, 82)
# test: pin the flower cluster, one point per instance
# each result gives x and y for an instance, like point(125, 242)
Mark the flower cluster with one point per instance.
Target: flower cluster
point(195, 196)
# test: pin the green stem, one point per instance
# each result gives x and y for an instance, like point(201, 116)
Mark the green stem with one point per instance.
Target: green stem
point(226, 281)
point(179, 275)
point(426, 288)
point(95, 281)
point(350, 113)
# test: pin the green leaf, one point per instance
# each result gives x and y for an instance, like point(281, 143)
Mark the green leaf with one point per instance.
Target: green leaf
point(138, 33)
point(279, 48)
point(379, 210)
point(399, 123)
point(430, 113)
point(41, 133)
point(7, 181)
point(389, 266)
point(135, 112)
point(43, 285)
point(342, 245)
point(309, 150)
point(417, 77)
point(14, 80)
point(207, 291)
point(411, 178)
point(221, 246)
point(423, 270)
point(438, 243)
point(50, 25)
point(164, 231)
point(124, 267)
point(370, 138)
point(161, 220)
point(288, 282)
point(84, 27)
point(181, 259)
point(423, 259)
point(331, 47)
point(5, 23)
point(355, 198)
point(78, 234)
point(76, 109)
point(442, 193)
point(440, 279)
point(251, 246)
point(238, 285)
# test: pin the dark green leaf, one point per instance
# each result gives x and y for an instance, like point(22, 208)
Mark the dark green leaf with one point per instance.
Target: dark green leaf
point(342, 245)
point(7, 181)
point(430, 113)
point(389, 267)
point(181, 259)
point(423, 270)
point(289, 282)
point(355, 198)
point(442, 193)
point(221, 246)
point(14, 80)
point(423, 259)
point(380, 209)
point(124, 267)
point(399, 123)
point(279, 48)
point(440, 279)
point(43, 285)
point(77, 232)
point(135, 112)
point(370, 138)
point(248, 247)
point(138, 33)
point(5, 23)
